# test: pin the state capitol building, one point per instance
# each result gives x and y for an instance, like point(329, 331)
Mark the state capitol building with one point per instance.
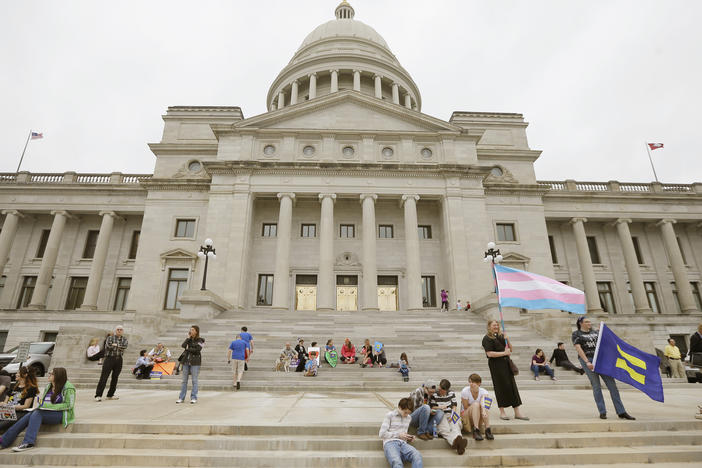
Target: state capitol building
point(342, 197)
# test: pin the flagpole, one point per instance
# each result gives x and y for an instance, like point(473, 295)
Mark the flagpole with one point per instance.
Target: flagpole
point(25, 149)
point(497, 292)
point(648, 150)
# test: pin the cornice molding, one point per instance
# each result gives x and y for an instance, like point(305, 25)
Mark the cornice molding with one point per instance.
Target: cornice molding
point(180, 149)
point(177, 185)
point(515, 189)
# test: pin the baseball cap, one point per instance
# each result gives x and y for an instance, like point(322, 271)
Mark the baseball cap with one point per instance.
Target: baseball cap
point(431, 383)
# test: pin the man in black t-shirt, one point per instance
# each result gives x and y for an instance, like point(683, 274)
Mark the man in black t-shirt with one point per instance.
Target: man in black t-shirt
point(561, 358)
point(585, 341)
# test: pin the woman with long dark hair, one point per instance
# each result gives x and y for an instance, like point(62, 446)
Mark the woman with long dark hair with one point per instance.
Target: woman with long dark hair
point(22, 395)
point(192, 359)
point(55, 407)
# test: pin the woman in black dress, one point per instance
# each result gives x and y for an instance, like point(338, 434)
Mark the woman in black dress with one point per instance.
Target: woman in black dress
point(498, 352)
point(302, 355)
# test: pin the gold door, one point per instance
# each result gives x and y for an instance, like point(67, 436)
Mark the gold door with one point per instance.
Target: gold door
point(305, 297)
point(347, 298)
point(387, 298)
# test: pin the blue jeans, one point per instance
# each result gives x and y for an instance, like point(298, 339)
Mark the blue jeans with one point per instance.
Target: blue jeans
point(597, 390)
point(536, 369)
point(195, 372)
point(398, 451)
point(422, 418)
point(32, 421)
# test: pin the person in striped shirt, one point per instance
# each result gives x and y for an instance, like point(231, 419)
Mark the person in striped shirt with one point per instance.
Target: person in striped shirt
point(445, 400)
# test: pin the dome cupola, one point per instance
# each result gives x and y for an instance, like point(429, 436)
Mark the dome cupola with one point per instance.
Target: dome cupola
point(343, 53)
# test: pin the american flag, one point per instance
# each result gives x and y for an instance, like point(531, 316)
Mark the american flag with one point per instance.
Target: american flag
point(655, 146)
point(37, 136)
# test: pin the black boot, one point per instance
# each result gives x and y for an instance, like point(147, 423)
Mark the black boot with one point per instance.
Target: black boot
point(488, 434)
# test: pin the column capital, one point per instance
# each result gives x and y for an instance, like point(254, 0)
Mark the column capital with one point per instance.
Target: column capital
point(578, 220)
point(665, 221)
point(396, 84)
point(110, 213)
point(334, 70)
point(322, 196)
point(412, 196)
point(289, 195)
point(356, 71)
point(376, 75)
point(310, 75)
point(13, 212)
point(295, 82)
point(621, 220)
point(372, 196)
point(63, 213)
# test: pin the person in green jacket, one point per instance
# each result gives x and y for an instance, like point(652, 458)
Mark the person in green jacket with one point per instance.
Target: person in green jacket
point(55, 407)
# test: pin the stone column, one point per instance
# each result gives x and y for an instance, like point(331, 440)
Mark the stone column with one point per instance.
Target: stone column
point(293, 92)
point(281, 276)
point(41, 290)
point(682, 282)
point(92, 290)
point(356, 80)
point(7, 235)
point(334, 80)
point(370, 271)
point(414, 276)
point(325, 281)
point(395, 93)
point(632, 267)
point(378, 86)
point(281, 100)
point(592, 298)
point(408, 101)
point(313, 85)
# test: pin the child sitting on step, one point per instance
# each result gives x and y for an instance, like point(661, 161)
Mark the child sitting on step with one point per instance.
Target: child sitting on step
point(404, 367)
point(311, 366)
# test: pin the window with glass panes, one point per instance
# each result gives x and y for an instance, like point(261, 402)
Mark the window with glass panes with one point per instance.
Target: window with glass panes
point(50, 336)
point(90, 244)
point(122, 294)
point(650, 288)
point(682, 251)
point(505, 232)
point(28, 284)
point(134, 246)
point(604, 290)
point(177, 282)
point(385, 231)
point(637, 249)
point(43, 240)
point(347, 231)
point(424, 232)
point(695, 294)
point(264, 293)
point(76, 292)
point(3, 339)
point(594, 252)
point(428, 291)
point(308, 230)
point(269, 230)
point(3, 278)
point(552, 246)
point(185, 228)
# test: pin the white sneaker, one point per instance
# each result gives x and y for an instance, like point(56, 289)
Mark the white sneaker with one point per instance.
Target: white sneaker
point(97, 398)
point(112, 397)
point(192, 402)
point(179, 401)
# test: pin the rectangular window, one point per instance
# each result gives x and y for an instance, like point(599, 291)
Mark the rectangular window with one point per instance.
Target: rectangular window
point(347, 231)
point(185, 228)
point(682, 252)
point(695, 294)
point(46, 335)
point(385, 231)
point(265, 290)
point(592, 246)
point(76, 292)
point(134, 246)
point(505, 232)
point(43, 240)
point(552, 246)
point(3, 340)
point(428, 291)
point(177, 282)
point(269, 230)
point(637, 249)
point(90, 244)
point(3, 278)
point(604, 289)
point(122, 295)
point(308, 230)
point(28, 284)
point(424, 232)
point(650, 288)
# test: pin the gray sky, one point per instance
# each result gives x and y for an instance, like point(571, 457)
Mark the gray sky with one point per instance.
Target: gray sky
point(595, 79)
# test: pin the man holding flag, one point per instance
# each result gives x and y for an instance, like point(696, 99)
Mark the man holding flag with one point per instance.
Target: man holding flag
point(585, 340)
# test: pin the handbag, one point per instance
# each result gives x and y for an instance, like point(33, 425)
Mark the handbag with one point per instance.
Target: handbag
point(512, 366)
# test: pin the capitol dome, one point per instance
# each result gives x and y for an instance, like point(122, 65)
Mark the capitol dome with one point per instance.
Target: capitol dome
point(343, 53)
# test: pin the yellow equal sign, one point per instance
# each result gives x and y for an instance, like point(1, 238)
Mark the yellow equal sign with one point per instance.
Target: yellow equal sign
point(629, 359)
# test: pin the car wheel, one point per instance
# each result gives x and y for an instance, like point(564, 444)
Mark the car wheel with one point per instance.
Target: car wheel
point(38, 369)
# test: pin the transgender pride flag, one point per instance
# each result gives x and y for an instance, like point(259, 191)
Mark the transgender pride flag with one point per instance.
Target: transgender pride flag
point(517, 288)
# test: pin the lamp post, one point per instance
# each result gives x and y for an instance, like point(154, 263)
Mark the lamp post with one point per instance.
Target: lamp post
point(493, 256)
point(206, 252)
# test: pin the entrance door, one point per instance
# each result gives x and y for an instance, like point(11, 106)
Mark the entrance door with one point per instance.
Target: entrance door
point(347, 292)
point(305, 292)
point(387, 293)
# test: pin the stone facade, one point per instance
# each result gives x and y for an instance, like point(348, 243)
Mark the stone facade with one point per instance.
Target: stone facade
point(343, 196)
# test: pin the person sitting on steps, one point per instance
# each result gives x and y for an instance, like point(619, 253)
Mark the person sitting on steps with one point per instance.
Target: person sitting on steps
point(379, 356)
point(160, 353)
point(475, 409)
point(301, 355)
point(404, 367)
point(445, 400)
point(93, 353)
point(396, 440)
point(561, 358)
point(143, 367)
point(423, 418)
point(21, 396)
point(538, 364)
point(367, 354)
point(348, 352)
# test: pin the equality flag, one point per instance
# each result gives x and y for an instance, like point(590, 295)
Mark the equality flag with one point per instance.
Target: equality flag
point(517, 288)
point(655, 146)
point(37, 136)
point(618, 359)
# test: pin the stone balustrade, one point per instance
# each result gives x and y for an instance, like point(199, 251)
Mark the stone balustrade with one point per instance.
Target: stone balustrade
point(114, 178)
point(570, 185)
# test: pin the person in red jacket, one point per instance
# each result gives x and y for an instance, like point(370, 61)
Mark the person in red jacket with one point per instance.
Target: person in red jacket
point(348, 352)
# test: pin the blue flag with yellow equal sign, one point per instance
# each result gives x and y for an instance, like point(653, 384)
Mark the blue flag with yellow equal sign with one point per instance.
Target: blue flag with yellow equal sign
point(618, 359)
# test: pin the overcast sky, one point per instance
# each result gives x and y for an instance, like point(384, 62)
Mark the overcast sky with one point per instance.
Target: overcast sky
point(594, 79)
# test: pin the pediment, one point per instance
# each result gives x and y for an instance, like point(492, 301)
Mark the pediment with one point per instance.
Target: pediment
point(178, 254)
point(350, 111)
point(515, 257)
